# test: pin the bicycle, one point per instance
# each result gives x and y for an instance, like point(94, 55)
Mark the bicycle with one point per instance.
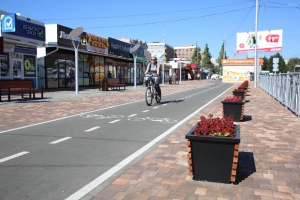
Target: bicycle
point(151, 91)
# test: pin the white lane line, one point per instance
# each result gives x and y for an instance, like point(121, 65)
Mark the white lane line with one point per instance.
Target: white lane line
point(13, 156)
point(91, 129)
point(114, 121)
point(132, 115)
point(186, 97)
point(164, 104)
point(109, 173)
point(60, 140)
point(146, 111)
point(155, 107)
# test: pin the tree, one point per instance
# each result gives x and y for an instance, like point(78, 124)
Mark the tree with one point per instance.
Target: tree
point(265, 64)
point(206, 60)
point(222, 55)
point(292, 63)
point(196, 57)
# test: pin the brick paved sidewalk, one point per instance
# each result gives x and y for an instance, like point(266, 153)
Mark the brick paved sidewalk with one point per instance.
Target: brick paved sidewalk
point(268, 166)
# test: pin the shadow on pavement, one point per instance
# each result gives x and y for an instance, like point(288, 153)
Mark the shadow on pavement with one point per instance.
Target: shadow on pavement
point(174, 101)
point(245, 166)
point(247, 118)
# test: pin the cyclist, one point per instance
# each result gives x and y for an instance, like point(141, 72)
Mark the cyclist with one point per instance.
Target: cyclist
point(154, 67)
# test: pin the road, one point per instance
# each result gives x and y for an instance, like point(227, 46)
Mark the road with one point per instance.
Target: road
point(69, 157)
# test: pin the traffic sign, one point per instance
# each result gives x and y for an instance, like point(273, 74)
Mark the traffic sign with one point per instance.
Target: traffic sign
point(276, 60)
point(275, 67)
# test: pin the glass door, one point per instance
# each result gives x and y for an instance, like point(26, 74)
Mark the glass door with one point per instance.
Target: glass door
point(61, 73)
point(17, 69)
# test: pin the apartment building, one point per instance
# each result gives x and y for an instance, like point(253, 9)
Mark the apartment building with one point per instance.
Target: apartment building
point(158, 49)
point(185, 52)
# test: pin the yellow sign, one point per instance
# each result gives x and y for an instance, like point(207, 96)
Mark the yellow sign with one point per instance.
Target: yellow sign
point(240, 61)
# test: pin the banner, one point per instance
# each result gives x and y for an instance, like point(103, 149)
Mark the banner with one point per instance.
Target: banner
point(268, 41)
point(4, 65)
point(29, 66)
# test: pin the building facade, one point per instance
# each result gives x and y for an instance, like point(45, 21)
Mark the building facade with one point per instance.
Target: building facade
point(186, 51)
point(158, 49)
point(96, 57)
point(20, 38)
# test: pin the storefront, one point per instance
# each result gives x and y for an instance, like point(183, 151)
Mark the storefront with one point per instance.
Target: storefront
point(96, 57)
point(235, 69)
point(21, 38)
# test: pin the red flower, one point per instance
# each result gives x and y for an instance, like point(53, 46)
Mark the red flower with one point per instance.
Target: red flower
point(215, 126)
point(233, 98)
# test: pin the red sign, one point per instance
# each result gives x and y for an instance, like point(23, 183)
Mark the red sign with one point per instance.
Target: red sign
point(272, 38)
point(272, 49)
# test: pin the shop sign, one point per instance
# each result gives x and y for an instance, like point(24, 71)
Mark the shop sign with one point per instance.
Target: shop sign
point(96, 44)
point(25, 50)
point(4, 64)
point(29, 30)
point(8, 23)
point(140, 58)
point(29, 66)
point(9, 48)
point(63, 40)
point(241, 61)
point(119, 48)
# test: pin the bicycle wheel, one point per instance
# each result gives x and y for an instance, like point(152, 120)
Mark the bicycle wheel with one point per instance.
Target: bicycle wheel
point(148, 96)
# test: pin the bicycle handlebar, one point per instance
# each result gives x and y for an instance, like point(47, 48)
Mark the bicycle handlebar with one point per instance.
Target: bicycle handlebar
point(150, 75)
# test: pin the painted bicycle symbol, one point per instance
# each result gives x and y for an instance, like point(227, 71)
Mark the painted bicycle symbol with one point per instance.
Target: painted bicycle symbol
point(95, 116)
point(133, 119)
point(153, 119)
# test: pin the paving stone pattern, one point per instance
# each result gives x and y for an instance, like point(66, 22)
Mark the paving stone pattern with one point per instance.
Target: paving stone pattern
point(268, 165)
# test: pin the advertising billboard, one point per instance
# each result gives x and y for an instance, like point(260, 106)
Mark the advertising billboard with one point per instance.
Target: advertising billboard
point(268, 41)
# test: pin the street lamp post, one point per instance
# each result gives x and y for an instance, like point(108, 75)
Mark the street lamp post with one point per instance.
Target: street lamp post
point(73, 35)
point(180, 73)
point(163, 68)
point(133, 52)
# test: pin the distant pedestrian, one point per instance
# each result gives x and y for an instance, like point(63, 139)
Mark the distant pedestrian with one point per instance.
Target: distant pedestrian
point(72, 78)
point(109, 74)
point(198, 76)
point(189, 76)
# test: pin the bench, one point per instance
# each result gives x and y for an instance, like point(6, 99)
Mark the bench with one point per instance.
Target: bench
point(115, 83)
point(9, 87)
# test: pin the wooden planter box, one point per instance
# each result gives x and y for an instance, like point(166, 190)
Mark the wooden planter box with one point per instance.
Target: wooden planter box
point(240, 94)
point(213, 159)
point(234, 108)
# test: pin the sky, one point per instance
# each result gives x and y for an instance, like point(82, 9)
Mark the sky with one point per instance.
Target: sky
point(174, 22)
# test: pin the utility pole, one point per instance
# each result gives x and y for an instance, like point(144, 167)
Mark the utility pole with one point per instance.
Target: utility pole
point(224, 45)
point(255, 49)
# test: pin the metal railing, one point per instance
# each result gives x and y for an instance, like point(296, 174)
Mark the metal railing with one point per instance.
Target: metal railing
point(283, 87)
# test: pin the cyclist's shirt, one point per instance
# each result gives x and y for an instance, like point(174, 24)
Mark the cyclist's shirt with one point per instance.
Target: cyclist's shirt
point(153, 68)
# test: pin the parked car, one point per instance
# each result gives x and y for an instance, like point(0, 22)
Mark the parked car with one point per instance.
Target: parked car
point(215, 77)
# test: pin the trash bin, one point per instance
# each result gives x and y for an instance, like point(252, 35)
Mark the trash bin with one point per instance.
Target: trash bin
point(104, 85)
